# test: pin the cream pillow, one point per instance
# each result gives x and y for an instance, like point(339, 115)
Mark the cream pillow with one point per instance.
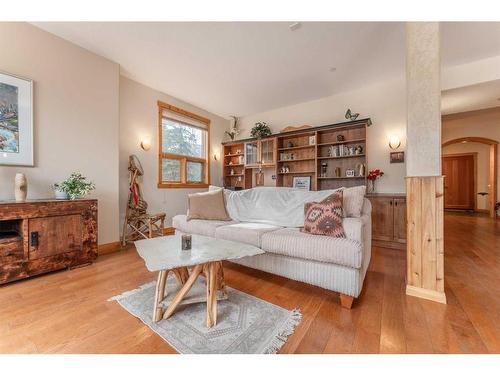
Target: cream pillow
point(353, 200)
point(207, 206)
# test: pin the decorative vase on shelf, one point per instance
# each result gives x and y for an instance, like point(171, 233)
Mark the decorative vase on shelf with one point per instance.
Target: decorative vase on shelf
point(21, 187)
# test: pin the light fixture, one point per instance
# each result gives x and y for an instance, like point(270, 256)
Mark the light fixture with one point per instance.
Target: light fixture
point(216, 157)
point(295, 26)
point(146, 144)
point(394, 142)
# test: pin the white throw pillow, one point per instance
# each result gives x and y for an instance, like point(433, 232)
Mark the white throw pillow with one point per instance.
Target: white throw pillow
point(353, 200)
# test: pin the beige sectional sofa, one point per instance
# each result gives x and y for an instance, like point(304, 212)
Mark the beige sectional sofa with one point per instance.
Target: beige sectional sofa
point(337, 264)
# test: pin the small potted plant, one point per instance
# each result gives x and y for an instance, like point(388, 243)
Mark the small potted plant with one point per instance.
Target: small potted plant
point(260, 129)
point(75, 186)
point(59, 192)
point(373, 175)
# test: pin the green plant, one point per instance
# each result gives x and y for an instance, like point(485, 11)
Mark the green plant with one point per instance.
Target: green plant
point(76, 186)
point(261, 129)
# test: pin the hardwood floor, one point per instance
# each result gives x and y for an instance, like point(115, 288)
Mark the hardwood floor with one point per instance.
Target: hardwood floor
point(68, 312)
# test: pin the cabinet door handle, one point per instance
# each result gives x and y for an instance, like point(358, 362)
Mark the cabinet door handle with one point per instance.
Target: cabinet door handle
point(395, 203)
point(34, 239)
point(390, 202)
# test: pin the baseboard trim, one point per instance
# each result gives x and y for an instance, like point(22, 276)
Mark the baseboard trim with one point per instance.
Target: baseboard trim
point(108, 248)
point(113, 247)
point(432, 295)
point(168, 231)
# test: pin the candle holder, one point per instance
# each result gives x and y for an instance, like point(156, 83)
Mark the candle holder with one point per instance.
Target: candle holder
point(186, 241)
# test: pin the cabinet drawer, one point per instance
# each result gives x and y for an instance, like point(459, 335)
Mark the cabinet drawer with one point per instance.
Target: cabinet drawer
point(11, 251)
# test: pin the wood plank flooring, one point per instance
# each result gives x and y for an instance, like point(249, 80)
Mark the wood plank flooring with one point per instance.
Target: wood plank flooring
point(68, 312)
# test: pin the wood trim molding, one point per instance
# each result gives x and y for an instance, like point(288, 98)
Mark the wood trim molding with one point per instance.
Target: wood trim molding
point(168, 231)
point(485, 141)
point(431, 295)
point(113, 247)
point(180, 111)
point(108, 248)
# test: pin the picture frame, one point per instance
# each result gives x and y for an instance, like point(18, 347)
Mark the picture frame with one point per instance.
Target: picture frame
point(349, 173)
point(397, 157)
point(312, 140)
point(302, 182)
point(16, 120)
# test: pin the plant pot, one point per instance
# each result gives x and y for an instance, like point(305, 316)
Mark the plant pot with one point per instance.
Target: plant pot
point(60, 194)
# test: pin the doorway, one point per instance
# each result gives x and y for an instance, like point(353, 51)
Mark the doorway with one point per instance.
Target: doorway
point(460, 183)
point(492, 170)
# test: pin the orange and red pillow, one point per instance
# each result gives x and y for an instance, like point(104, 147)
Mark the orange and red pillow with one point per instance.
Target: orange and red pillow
point(325, 217)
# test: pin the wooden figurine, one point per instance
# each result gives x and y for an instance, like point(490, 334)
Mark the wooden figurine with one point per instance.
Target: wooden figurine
point(138, 223)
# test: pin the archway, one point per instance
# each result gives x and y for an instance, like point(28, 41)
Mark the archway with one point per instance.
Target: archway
point(492, 176)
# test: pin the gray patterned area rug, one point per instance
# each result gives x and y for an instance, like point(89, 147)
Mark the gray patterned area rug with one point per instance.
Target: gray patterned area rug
point(245, 324)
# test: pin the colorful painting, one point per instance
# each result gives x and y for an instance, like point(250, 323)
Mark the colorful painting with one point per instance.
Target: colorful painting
point(9, 119)
point(16, 120)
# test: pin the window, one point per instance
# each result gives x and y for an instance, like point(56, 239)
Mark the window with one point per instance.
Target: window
point(184, 148)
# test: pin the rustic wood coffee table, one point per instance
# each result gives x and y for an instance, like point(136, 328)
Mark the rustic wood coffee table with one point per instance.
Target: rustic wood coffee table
point(164, 254)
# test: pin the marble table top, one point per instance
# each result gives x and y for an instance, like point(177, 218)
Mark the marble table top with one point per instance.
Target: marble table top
point(165, 253)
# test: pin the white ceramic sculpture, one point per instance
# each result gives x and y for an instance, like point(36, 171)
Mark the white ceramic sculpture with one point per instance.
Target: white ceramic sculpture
point(21, 187)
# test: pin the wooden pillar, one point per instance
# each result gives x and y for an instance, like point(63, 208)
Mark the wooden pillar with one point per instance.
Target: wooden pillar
point(424, 183)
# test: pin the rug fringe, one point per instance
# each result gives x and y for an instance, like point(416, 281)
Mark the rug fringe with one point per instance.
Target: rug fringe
point(286, 330)
point(130, 292)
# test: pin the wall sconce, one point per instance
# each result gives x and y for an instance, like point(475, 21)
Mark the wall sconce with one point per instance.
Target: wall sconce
point(146, 144)
point(216, 156)
point(394, 142)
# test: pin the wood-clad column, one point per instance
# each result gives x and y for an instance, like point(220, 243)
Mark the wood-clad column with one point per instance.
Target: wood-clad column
point(424, 183)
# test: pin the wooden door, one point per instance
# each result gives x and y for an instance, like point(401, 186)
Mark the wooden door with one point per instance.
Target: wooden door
point(54, 235)
point(400, 220)
point(382, 218)
point(459, 181)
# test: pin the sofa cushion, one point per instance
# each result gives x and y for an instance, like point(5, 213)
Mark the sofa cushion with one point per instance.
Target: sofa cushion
point(207, 206)
point(249, 233)
point(324, 218)
point(195, 226)
point(292, 242)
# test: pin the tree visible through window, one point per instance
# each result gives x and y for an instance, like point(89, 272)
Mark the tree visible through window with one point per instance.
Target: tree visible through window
point(183, 151)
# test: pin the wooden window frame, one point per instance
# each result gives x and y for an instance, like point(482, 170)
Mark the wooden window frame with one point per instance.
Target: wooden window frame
point(162, 106)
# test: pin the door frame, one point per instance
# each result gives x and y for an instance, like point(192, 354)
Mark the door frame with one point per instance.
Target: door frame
point(492, 176)
point(474, 157)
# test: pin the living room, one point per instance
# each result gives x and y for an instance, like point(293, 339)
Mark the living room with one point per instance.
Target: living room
point(293, 171)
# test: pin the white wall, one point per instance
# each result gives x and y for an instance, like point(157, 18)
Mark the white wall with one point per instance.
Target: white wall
point(75, 117)
point(385, 103)
point(138, 119)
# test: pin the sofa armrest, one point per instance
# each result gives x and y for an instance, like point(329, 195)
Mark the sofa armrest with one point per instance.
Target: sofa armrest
point(356, 228)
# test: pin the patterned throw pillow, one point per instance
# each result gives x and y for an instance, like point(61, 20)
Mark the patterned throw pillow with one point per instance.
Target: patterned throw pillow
point(325, 217)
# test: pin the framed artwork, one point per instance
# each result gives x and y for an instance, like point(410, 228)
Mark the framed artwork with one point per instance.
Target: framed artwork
point(349, 172)
point(16, 120)
point(398, 157)
point(303, 183)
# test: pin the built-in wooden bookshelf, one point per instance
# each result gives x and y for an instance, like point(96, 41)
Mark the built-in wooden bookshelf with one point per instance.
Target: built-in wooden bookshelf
point(233, 169)
point(331, 155)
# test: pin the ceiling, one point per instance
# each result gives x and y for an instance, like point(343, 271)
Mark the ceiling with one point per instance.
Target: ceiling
point(471, 98)
point(241, 68)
